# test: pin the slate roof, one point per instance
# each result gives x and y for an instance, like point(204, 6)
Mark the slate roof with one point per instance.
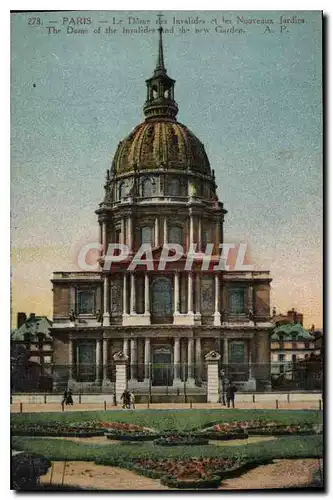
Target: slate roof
point(289, 331)
point(34, 325)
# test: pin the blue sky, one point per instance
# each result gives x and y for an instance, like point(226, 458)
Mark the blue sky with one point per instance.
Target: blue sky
point(254, 100)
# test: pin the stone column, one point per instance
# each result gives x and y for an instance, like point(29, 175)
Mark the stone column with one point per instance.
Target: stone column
point(121, 361)
point(225, 354)
point(147, 357)
point(125, 294)
point(130, 234)
point(212, 360)
point(190, 294)
point(134, 358)
point(176, 294)
point(176, 360)
point(191, 230)
point(101, 233)
point(251, 384)
point(250, 358)
point(217, 233)
point(105, 361)
point(147, 300)
point(98, 360)
point(132, 304)
point(106, 315)
point(200, 234)
point(198, 295)
point(70, 359)
point(165, 231)
point(122, 232)
point(157, 239)
point(125, 346)
point(217, 314)
point(250, 298)
point(198, 357)
point(190, 360)
point(104, 237)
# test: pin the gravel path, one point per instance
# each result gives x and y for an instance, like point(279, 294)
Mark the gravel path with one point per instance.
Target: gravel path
point(280, 474)
point(99, 477)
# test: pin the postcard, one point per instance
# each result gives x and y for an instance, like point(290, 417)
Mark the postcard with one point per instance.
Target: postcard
point(167, 245)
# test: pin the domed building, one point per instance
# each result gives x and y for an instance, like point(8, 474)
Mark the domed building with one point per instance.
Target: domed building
point(161, 190)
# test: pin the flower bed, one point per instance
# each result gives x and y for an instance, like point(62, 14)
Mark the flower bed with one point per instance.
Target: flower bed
point(189, 484)
point(79, 429)
point(130, 437)
point(194, 473)
point(239, 430)
point(281, 431)
point(178, 439)
point(187, 468)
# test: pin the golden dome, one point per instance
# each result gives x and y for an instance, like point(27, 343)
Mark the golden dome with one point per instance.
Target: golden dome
point(160, 144)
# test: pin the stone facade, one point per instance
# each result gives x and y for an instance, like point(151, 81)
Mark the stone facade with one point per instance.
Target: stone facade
point(161, 190)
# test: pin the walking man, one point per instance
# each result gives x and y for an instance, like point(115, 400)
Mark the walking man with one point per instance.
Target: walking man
point(132, 400)
point(230, 393)
point(224, 382)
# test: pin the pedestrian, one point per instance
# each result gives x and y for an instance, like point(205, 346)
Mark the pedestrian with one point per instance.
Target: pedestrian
point(230, 393)
point(69, 400)
point(125, 398)
point(132, 400)
point(224, 383)
point(64, 399)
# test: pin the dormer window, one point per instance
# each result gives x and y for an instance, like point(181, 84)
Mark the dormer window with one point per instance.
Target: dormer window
point(146, 235)
point(148, 188)
point(121, 191)
point(176, 235)
point(174, 186)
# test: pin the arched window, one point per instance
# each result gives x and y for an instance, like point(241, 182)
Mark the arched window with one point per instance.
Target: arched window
point(205, 236)
point(146, 234)
point(147, 188)
point(162, 297)
point(121, 191)
point(176, 235)
point(174, 186)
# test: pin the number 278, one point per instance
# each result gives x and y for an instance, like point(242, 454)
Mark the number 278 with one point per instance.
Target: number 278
point(34, 20)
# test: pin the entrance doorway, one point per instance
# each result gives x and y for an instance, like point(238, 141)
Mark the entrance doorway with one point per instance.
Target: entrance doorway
point(162, 369)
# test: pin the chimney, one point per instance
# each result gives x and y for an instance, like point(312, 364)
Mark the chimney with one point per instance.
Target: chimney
point(32, 316)
point(21, 319)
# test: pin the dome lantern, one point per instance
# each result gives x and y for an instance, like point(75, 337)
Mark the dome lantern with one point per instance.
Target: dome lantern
point(160, 90)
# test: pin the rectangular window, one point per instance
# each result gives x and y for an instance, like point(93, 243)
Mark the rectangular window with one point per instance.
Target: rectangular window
point(307, 345)
point(294, 358)
point(86, 361)
point(281, 358)
point(146, 235)
point(236, 352)
point(236, 301)
point(86, 302)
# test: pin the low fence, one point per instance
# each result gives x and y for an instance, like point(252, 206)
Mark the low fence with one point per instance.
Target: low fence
point(258, 397)
point(167, 376)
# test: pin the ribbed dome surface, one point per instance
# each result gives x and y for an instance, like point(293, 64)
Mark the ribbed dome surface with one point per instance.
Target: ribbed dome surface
point(160, 143)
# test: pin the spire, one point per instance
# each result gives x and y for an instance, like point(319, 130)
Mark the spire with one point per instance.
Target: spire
point(160, 90)
point(160, 60)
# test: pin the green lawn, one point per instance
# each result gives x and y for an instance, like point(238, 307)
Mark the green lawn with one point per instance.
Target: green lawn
point(164, 420)
point(115, 454)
